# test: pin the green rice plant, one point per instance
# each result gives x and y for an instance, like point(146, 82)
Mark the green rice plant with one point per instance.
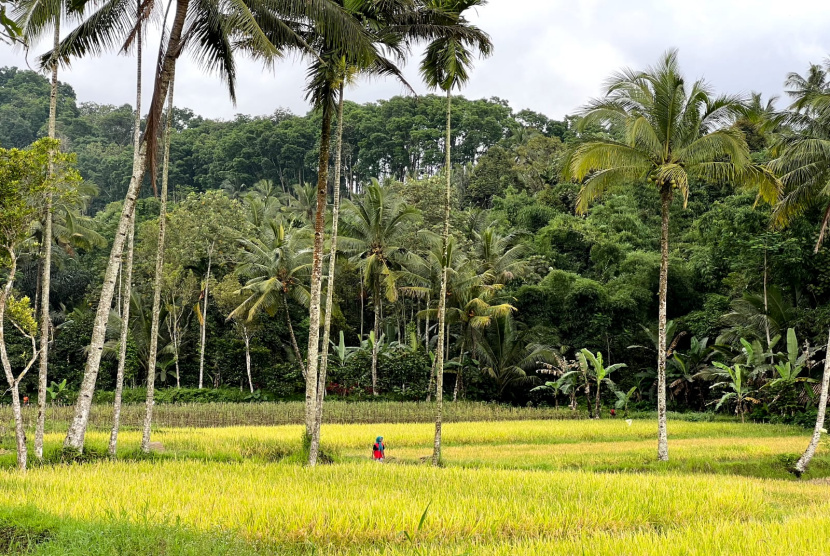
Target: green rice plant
point(521, 487)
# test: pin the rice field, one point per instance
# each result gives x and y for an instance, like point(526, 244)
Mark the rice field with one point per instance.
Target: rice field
point(218, 414)
point(507, 487)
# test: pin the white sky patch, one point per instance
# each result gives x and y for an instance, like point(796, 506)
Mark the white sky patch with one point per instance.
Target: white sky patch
point(550, 55)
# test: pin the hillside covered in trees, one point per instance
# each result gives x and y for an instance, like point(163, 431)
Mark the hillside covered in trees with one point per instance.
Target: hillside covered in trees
point(533, 281)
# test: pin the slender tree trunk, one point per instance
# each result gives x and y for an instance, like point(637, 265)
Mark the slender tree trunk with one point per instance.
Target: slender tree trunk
point(446, 340)
point(766, 310)
point(46, 264)
point(172, 329)
point(293, 338)
point(442, 299)
point(167, 59)
point(203, 329)
point(375, 344)
point(122, 343)
point(597, 412)
point(804, 460)
point(247, 338)
point(588, 399)
point(154, 326)
point(324, 358)
point(317, 273)
point(426, 327)
point(128, 267)
point(662, 432)
point(19, 430)
point(459, 374)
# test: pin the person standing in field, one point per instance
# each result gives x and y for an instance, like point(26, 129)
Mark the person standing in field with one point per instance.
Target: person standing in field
point(379, 449)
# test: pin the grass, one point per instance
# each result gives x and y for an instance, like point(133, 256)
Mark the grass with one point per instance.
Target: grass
point(522, 487)
point(217, 414)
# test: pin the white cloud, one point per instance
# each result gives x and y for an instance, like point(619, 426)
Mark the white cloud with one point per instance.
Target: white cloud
point(550, 55)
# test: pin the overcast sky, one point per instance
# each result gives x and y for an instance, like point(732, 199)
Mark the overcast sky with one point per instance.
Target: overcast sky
point(550, 55)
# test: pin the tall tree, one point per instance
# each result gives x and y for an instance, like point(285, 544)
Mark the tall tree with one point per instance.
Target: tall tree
point(323, 84)
point(263, 28)
point(314, 446)
point(803, 159)
point(35, 18)
point(804, 166)
point(157, 279)
point(276, 267)
point(27, 181)
point(446, 66)
point(672, 133)
point(127, 266)
point(10, 31)
point(802, 463)
point(374, 231)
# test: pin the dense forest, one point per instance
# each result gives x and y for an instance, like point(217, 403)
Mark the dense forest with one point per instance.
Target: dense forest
point(533, 280)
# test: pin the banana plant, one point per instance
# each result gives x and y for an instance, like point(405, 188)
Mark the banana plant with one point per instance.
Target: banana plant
point(600, 373)
point(565, 384)
point(623, 399)
point(683, 367)
point(736, 379)
point(791, 364)
point(341, 352)
point(788, 370)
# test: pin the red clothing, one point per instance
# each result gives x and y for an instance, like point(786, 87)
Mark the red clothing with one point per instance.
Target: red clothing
point(378, 450)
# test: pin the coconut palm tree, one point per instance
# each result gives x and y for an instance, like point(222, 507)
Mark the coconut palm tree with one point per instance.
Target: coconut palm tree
point(506, 356)
point(804, 89)
point(803, 162)
point(500, 256)
point(9, 30)
point(804, 461)
point(157, 279)
point(374, 228)
point(672, 132)
point(314, 447)
point(210, 32)
point(446, 66)
point(471, 293)
point(35, 18)
point(276, 268)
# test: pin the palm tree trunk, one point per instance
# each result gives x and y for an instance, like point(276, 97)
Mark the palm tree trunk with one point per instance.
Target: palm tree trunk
point(597, 413)
point(804, 460)
point(293, 338)
point(375, 344)
point(154, 326)
point(426, 326)
point(442, 299)
point(122, 343)
point(172, 326)
point(127, 269)
point(77, 429)
point(324, 359)
point(662, 433)
point(203, 330)
point(247, 338)
point(459, 374)
point(317, 273)
point(46, 264)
